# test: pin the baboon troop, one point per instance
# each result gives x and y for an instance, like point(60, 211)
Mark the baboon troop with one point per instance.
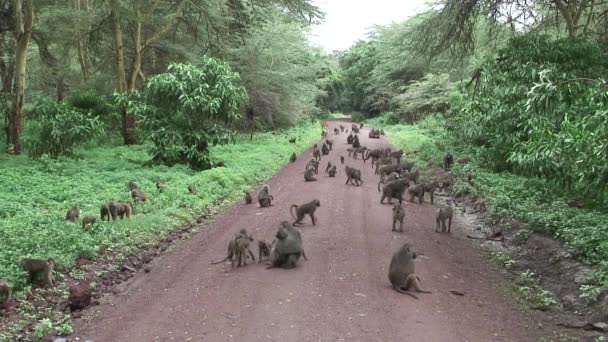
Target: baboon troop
point(305, 209)
point(39, 269)
point(72, 214)
point(264, 197)
point(401, 272)
point(5, 292)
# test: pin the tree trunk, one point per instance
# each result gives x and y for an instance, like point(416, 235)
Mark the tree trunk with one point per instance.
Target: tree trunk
point(128, 120)
point(24, 20)
point(81, 46)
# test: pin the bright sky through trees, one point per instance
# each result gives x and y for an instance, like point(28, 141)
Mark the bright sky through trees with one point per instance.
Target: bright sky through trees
point(349, 20)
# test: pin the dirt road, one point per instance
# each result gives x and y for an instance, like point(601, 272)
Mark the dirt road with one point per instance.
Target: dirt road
point(341, 294)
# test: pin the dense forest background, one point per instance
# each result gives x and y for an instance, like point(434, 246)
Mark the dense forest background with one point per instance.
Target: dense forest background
point(159, 90)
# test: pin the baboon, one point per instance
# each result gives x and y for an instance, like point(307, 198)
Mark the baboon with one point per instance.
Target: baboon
point(356, 143)
point(412, 176)
point(138, 195)
point(361, 125)
point(132, 186)
point(325, 149)
point(342, 160)
point(374, 133)
point(350, 139)
point(465, 160)
point(394, 189)
point(443, 214)
point(470, 177)
point(341, 128)
point(382, 163)
point(36, 267)
point(388, 169)
point(292, 140)
point(407, 166)
point(309, 175)
point(105, 212)
point(430, 187)
point(392, 177)
point(346, 130)
point(329, 165)
point(316, 154)
point(353, 174)
point(381, 131)
point(287, 249)
point(264, 197)
point(446, 183)
point(397, 155)
point(315, 147)
point(330, 144)
point(124, 209)
point(336, 131)
point(192, 189)
point(374, 154)
point(293, 157)
point(305, 209)
point(402, 274)
point(248, 198)
point(72, 214)
point(358, 150)
point(238, 249)
point(161, 186)
point(398, 216)
point(333, 171)
point(480, 205)
point(324, 133)
point(5, 292)
point(88, 221)
point(314, 164)
point(448, 160)
point(350, 151)
point(416, 190)
point(219, 164)
point(263, 250)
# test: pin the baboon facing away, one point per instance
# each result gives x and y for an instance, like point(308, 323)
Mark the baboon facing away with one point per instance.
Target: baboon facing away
point(309, 175)
point(264, 197)
point(394, 189)
point(353, 176)
point(402, 274)
point(138, 195)
point(444, 214)
point(72, 214)
point(305, 209)
point(416, 191)
point(39, 267)
point(398, 216)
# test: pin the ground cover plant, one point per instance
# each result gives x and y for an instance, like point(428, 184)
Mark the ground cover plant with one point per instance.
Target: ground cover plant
point(37, 193)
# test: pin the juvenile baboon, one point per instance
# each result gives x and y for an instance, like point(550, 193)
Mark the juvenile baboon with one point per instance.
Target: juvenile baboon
point(430, 187)
point(124, 209)
point(392, 177)
point(333, 171)
point(287, 249)
point(342, 160)
point(356, 143)
point(350, 139)
point(314, 164)
point(248, 198)
point(309, 175)
point(316, 154)
point(398, 216)
point(263, 250)
point(88, 221)
point(264, 197)
point(138, 195)
point(238, 249)
point(293, 157)
point(330, 144)
point(394, 189)
point(397, 155)
point(106, 213)
point(292, 140)
point(416, 190)
point(36, 267)
point(448, 160)
point(161, 186)
point(192, 189)
point(132, 186)
point(353, 176)
point(305, 209)
point(336, 131)
point(402, 274)
point(324, 149)
point(328, 167)
point(5, 292)
point(359, 150)
point(443, 214)
point(72, 214)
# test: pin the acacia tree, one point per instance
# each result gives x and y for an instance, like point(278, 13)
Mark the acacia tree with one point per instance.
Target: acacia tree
point(23, 21)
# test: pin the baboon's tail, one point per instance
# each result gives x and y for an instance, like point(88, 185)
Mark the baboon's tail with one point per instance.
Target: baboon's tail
point(291, 211)
point(400, 290)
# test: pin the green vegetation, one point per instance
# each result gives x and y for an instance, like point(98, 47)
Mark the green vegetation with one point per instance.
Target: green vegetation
point(337, 116)
point(37, 194)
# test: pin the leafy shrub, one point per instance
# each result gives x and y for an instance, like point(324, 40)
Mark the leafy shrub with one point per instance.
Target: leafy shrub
point(90, 102)
point(191, 108)
point(57, 128)
point(428, 95)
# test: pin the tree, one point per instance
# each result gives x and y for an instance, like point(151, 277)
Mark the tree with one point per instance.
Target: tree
point(191, 108)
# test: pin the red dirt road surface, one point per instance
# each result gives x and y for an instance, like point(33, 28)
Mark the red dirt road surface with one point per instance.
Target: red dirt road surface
point(341, 293)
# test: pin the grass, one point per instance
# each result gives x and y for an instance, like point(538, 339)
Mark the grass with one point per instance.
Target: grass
point(539, 204)
point(337, 116)
point(36, 194)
